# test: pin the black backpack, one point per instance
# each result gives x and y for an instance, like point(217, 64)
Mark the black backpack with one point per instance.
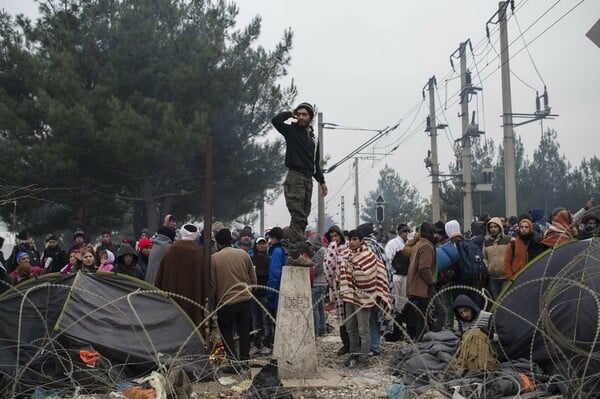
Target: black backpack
point(471, 266)
point(400, 263)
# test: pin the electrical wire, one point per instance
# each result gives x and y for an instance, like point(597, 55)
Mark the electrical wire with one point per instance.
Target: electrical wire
point(406, 136)
point(451, 142)
point(540, 34)
point(482, 93)
point(513, 73)
point(408, 128)
point(358, 129)
point(456, 101)
point(529, 53)
point(344, 183)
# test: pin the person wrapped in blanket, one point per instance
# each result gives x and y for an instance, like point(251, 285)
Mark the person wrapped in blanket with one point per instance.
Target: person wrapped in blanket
point(475, 351)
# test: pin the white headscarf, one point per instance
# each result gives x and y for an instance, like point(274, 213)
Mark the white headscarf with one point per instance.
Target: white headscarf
point(189, 232)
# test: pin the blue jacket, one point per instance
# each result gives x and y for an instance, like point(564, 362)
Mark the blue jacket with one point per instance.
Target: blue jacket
point(276, 263)
point(446, 255)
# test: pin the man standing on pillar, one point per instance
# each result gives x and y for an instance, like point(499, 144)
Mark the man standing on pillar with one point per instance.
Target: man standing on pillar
point(302, 160)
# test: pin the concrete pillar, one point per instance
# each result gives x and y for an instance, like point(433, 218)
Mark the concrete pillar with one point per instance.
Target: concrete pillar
point(295, 348)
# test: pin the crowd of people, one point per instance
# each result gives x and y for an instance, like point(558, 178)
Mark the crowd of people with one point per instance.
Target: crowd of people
point(379, 288)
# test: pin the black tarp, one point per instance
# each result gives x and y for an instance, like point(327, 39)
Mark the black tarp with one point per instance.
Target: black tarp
point(550, 315)
point(134, 327)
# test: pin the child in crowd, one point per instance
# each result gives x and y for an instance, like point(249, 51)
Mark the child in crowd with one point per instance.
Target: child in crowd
point(24, 269)
point(107, 259)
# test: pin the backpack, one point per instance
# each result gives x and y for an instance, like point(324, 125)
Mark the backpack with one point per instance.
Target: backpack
point(401, 259)
point(470, 264)
point(400, 263)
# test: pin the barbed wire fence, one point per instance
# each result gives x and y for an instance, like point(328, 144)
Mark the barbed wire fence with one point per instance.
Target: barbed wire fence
point(47, 363)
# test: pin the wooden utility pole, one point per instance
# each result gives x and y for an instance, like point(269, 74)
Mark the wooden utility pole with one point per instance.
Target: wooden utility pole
point(208, 162)
point(262, 217)
point(320, 198)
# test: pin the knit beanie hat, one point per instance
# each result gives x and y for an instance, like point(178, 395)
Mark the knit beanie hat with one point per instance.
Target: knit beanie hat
point(20, 254)
point(145, 231)
point(167, 232)
point(308, 108)
point(402, 228)
point(144, 242)
point(22, 235)
point(78, 232)
point(366, 229)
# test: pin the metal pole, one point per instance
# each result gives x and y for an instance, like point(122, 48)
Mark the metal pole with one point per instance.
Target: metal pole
point(466, 141)
point(356, 194)
point(435, 169)
point(207, 222)
point(262, 217)
point(320, 199)
point(510, 184)
point(343, 211)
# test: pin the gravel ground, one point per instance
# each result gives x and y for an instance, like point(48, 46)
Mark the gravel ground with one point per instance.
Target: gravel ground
point(365, 384)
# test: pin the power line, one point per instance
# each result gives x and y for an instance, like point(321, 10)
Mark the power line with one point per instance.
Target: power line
point(529, 53)
point(521, 49)
point(394, 143)
point(406, 136)
point(540, 34)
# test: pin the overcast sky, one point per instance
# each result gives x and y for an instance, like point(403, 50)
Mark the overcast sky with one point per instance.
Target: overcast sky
point(364, 64)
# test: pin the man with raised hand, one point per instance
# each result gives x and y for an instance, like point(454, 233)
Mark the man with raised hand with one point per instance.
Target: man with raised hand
point(302, 161)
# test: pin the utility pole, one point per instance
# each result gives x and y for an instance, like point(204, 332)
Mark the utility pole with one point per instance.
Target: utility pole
point(466, 140)
point(320, 199)
point(356, 194)
point(510, 184)
point(262, 217)
point(208, 177)
point(435, 168)
point(343, 211)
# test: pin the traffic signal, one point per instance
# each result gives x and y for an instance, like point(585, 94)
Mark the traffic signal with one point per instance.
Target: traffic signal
point(379, 213)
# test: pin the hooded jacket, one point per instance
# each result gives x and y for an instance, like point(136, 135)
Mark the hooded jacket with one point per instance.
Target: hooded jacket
point(160, 244)
point(134, 269)
point(539, 223)
point(335, 228)
point(277, 259)
point(494, 248)
point(109, 265)
point(261, 268)
point(523, 251)
point(587, 232)
point(480, 318)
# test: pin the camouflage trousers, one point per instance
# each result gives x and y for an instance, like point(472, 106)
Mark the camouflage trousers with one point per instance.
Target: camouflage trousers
point(297, 189)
